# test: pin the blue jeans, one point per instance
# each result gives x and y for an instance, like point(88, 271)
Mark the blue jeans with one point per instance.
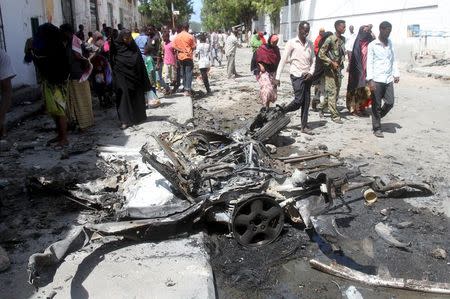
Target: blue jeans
point(187, 67)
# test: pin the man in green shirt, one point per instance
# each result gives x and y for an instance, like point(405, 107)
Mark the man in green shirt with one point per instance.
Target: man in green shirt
point(332, 54)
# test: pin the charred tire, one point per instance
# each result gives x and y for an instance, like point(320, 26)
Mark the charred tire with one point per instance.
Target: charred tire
point(271, 128)
point(257, 221)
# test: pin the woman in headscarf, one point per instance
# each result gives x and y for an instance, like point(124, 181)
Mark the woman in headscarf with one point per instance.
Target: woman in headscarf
point(358, 94)
point(267, 58)
point(130, 80)
point(79, 110)
point(52, 62)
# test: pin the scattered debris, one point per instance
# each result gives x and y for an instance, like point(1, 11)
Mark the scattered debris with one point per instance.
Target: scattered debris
point(170, 283)
point(439, 253)
point(370, 196)
point(271, 148)
point(51, 295)
point(373, 280)
point(385, 232)
point(385, 212)
point(216, 178)
point(439, 62)
point(353, 293)
point(404, 224)
point(4, 260)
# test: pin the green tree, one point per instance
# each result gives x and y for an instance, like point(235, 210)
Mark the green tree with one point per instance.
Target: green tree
point(218, 14)
point(159, 12)
point(222, 14)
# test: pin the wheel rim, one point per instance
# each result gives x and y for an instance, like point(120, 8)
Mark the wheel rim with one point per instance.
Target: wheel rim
point(258, 221)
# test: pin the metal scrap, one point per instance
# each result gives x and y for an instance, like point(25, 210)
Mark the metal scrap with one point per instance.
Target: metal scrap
point(385, 232)
point(231, 179)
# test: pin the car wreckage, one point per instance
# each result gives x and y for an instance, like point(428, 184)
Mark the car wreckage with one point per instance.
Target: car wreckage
point(233, 180)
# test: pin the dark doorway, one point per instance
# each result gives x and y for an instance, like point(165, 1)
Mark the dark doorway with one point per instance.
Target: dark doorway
point(34, 25)
point(67, 12)
point(94, 14)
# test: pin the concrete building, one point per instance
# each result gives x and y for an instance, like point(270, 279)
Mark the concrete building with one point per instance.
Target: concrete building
point(20, 18)
point(418, 25)
point(262, 23)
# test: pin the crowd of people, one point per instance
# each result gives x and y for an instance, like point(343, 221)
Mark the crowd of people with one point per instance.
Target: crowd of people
point(138, 67)
point(372, 69)
point(134, 67)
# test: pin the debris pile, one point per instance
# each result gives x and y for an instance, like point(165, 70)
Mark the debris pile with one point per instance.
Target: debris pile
point(440, 62)
point(233, 180)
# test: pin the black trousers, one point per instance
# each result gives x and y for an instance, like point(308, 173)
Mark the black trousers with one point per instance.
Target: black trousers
point(302, 98)
point(178, 77)
point(383, 91)
point(204, 72)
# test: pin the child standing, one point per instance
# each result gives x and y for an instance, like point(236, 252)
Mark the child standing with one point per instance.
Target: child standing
point(169, 60)
point(150, 96)
point(204, 59)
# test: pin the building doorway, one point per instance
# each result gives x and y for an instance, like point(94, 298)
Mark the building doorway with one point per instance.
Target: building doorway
point(67, 12)
point(94, 15)
point(110, 15)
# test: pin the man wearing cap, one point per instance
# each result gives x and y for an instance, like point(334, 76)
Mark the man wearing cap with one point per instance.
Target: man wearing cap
point(300, 52)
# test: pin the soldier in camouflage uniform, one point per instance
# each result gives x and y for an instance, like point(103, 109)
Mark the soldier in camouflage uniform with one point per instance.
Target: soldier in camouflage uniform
point(332, 54)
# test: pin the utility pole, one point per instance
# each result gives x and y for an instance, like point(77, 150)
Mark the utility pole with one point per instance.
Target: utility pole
point(173, 16)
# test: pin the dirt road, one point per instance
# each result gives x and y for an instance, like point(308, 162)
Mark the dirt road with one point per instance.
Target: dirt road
point(415, 148)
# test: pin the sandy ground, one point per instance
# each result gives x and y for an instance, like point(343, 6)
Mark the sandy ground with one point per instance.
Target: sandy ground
point(414, 148)
point(416, 130)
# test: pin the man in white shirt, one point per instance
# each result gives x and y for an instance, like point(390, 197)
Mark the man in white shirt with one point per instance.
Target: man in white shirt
point(6, 74)
point(300, 52)
point(231, 44)
point(350, 41)
point(382, 72)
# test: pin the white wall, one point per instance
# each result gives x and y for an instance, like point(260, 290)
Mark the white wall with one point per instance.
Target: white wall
point(130, 13)
point(16, 16)
point(429, 14)
point(17, 27)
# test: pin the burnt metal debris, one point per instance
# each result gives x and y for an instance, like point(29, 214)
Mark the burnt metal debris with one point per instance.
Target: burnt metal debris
point(231, 179)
